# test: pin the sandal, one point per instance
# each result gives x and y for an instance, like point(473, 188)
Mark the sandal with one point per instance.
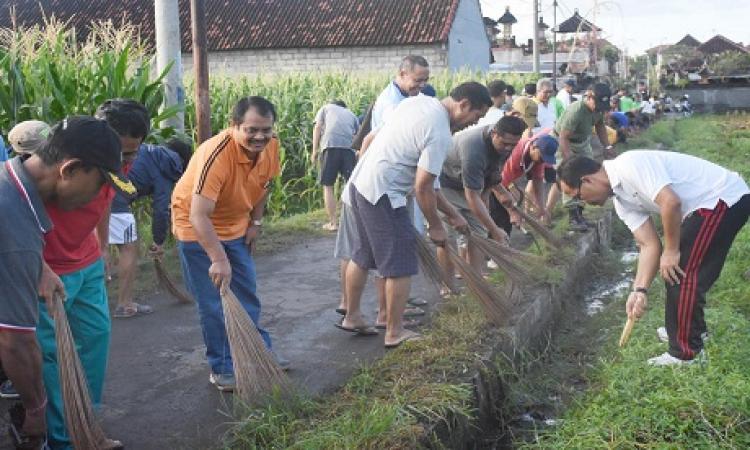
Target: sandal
point(412, 336)
point(124, 312)
point(407, 323)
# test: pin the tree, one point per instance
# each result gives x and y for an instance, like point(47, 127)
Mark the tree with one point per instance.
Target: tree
point(730, 63)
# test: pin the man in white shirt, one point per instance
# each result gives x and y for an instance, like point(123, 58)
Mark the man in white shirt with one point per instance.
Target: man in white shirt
point(406, 154)
point(702, 207)
point(566, 93)
point(546, 114)
point(413, 74)
point(499, 104)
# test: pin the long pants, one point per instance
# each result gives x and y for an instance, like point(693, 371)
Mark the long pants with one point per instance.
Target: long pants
point(195, 263)
point(88, 315)
point(705, 238)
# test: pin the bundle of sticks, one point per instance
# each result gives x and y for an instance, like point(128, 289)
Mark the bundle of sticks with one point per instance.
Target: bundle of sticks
point(168, 284)
point(539, 228)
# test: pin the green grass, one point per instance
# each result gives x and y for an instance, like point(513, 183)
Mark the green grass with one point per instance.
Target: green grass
point(630, 405)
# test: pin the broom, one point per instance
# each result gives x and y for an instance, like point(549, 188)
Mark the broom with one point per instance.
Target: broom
point(546, 234)
point(168, 284)
point(83, 428)
point(429, 263)
point(626, 331)
point(497, 252)
point(255, 367)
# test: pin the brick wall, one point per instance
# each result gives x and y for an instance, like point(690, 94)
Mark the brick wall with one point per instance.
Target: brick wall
point(318, 59)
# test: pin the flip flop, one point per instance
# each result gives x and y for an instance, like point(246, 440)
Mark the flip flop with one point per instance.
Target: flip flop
point(413, 311)
point(365, 330)
point(411, 337)
point(124, 312)
point(417, 301)
point(406, 322)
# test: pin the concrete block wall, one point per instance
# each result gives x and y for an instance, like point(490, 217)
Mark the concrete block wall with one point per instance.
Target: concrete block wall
point(359, 59)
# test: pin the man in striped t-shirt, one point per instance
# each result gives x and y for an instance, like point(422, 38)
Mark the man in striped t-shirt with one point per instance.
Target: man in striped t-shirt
point(217, 209)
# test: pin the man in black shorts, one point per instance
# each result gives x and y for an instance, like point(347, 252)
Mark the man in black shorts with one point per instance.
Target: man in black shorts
point(335, 127)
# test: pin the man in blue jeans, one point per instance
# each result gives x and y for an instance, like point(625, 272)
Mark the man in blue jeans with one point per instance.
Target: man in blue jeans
point(217, 212)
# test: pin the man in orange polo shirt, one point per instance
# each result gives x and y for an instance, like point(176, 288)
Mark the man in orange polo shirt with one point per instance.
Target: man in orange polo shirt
point(217, 208)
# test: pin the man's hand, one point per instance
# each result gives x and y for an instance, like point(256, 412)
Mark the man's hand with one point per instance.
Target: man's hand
point(515, 217)
point(220, 273)
point(636, 305)
point(499, 235)
point(49, 286)
point(438, 235)
point(314, 158)
point(546, 218)
point(459, 223)
point(252, 233)
point(156, 251)
point(669, 267)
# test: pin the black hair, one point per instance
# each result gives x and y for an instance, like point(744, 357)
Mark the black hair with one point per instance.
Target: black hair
point(530, 88)
point(510, 125)
point(510, 90)
point(496, 88)
point(259, 104)
point(576, 167)
point(476, 93)
point(340, 103)
point(127, 117)
point(410, 62)
point(183, 149)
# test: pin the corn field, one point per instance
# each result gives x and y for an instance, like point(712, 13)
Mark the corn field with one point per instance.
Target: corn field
point(46, 74)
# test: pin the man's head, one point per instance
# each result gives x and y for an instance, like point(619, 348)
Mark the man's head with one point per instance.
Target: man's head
point(597, 97)
point(469, 101)
point(506, 133)
point(543, 90)
point(529, 89)
point(497, 92)
point(543, 149)
point(252, 123)
point(28, 137)
point(583, 178)
point(569, 86)
point(527, 110)
point(183, 149)
point(130, 120)
point(83, 153)
point(413, 74)
point(340, 103)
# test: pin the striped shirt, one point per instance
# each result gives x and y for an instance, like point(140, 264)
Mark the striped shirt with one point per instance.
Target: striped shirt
point(221, 170)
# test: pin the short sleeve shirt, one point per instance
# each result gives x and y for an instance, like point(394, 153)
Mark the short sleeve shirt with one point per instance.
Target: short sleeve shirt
point(520, 162)
point(637, 177)
point(417, 135)
point(24, 223)
point(546, 114)
point(386, 102)
point(472, 161)
point(578, 119)
point(222, 171)
point(338, 126)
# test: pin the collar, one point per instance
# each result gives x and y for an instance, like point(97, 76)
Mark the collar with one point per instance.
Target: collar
point(404, 94)
point(27, 190)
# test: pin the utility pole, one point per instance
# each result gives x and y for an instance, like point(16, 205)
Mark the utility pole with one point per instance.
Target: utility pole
point(554, 44)
point(167, 21)
point(535, 42)
point(200, 68)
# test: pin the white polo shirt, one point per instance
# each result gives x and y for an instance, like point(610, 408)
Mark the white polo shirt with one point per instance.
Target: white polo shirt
point(417, 134)
point(637, 177)
point(386, 102)
point(546, 114)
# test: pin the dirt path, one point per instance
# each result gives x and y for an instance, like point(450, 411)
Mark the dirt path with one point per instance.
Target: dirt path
point(157, 394)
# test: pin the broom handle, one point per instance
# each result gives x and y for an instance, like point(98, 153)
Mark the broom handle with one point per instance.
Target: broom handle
point(626, 331)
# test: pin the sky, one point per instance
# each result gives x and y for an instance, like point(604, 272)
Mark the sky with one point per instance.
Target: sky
point(637, 25)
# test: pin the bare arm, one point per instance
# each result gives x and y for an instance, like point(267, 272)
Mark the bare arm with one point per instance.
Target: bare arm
point(565, 143)
point(201, 209)
point(102, 230)
point(648, 262)
point(315, 143)
point(670, 208)
point(366, 143)
point(479, 209)
point(428, 203)
point(253, 231)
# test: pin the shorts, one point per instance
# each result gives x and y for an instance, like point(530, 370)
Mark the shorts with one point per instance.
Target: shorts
point(334, 162)
point(458, 200)
point(386, 238)
point(122, 228)
point(500, 215)
point(346, 234)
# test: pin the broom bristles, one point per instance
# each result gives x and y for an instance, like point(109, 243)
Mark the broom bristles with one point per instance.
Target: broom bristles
point(546, 234)
point(168, 284)
point(83, 428)
point(256, 371)
point(498, 253)
point(429, 263)
point(494, 304)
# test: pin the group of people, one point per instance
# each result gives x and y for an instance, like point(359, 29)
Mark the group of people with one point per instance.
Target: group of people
point(412, 163)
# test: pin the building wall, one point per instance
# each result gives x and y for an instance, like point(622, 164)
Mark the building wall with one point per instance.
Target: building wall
point(319, 59)
point(468, 45)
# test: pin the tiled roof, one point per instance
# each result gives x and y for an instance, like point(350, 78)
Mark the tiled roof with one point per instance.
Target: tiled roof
point(575, 24)
point(507, 17)
point(246, 24)
point(689, 41)
point(719, 44)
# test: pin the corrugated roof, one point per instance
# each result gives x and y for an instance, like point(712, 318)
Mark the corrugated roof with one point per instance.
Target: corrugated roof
point(720, 44)
point(576, 23)
point(248, 24)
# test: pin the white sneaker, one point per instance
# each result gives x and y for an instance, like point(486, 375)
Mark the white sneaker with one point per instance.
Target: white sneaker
point(662, 333)
point(665, 359)
point(491, 264)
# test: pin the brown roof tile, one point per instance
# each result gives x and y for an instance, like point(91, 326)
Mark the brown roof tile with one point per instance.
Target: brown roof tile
point(245, 24)
point(719, 44)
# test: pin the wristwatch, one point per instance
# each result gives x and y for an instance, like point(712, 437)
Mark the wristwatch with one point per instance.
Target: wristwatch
point(258, 223)
point(641, 290)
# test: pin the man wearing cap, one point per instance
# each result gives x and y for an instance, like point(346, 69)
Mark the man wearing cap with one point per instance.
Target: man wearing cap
point(526, 109)
point(73, 258)
point(573, 132)
point(702, 207)
point(471, 168)
point(29, 136)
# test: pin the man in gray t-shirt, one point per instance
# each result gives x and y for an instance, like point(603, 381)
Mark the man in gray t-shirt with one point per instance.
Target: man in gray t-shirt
point(471, 169)
point(68, 171)
point(335, 127)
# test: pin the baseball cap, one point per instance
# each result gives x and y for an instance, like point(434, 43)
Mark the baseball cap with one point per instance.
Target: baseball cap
point(547, 146)
point(528, 110)
point(29, 136)
point(570, 83)
point(94, 142)
point(602, 93)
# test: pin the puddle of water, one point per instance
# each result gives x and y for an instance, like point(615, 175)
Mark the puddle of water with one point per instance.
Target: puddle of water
point(612, 288)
